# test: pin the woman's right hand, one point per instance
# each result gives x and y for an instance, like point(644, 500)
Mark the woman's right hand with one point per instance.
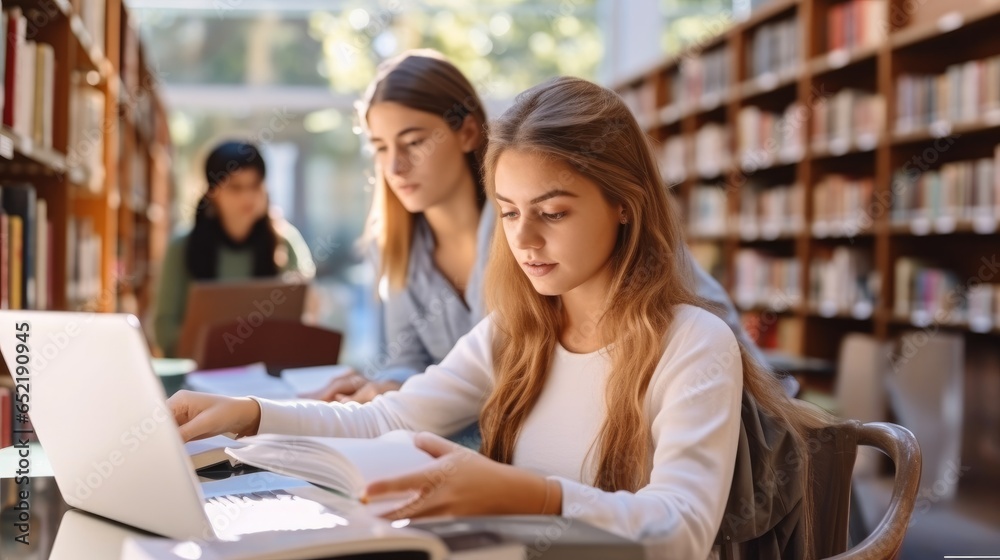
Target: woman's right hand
point(202, 415)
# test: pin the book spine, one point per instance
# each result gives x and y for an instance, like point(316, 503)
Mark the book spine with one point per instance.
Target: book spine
point(17, 28)
point(16, 260)
point(44, 94)
point(4, 260)
point(40, 256)
point(24, 110)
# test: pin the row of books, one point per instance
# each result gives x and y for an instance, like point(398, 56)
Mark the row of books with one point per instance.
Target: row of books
point(774, 49)
point(849, 120)
point(703, 79)
point(25, 249)
point(856, 24)
point(962, 192)
point(842, 205)
point(964, 92)
point(843, 281)
point(765, 280)
point(28, 69)
point(712, 154)
point(765, 138)
point(769, 212)
point(774, 332)
point(841, 208)
point(926, 294)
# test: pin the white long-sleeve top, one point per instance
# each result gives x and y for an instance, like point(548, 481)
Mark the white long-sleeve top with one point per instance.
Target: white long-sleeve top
point(692, 407)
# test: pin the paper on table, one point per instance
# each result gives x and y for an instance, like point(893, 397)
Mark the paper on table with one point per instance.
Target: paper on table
point(305, 380)
point(239, 382)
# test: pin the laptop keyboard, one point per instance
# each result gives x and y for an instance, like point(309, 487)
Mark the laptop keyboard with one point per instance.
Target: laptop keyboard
point(277, 510)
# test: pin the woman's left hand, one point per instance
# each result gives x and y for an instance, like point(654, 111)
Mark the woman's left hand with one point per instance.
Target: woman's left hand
point(463, 482)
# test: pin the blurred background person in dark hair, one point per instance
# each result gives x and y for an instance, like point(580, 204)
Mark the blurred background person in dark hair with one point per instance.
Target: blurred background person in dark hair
point(234, 238)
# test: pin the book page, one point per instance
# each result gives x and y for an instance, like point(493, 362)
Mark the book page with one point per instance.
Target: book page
point(345, 465)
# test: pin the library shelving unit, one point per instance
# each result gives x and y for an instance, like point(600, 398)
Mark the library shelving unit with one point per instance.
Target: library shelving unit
point(88, 136)
point(838, 168)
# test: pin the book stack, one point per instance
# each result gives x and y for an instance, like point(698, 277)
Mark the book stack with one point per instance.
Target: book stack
point(771, 212)
point(842, 205)
point(849, 120)
point(766, 138)
point(764, 280)
point(673, 155)
point(964, 93)
point(86, 131)
point(29, 82)
point(843, 281)
point(707, 217)
point(25, 249)
point(962, 193)
point(774, 50)
point(984, 307)
point(926, 294)
point(704, 79)
point(712, 155)
point(856, 24)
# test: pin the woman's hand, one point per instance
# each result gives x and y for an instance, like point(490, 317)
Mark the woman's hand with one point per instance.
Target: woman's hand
point(351, 387)
point(201, 415)
point(463, 482)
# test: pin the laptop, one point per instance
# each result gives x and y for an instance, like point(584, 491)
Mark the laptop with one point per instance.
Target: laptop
point(100, 413)
point(213, 302)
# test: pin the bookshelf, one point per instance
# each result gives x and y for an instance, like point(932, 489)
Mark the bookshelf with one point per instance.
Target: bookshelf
point(90, 140)
point(864, 134)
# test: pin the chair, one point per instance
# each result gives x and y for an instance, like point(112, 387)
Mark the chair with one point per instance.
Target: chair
point(280, 344)
point(901, 447)
point(763, 515)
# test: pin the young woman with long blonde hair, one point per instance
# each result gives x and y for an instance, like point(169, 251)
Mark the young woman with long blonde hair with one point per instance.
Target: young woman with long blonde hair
point(604, 388)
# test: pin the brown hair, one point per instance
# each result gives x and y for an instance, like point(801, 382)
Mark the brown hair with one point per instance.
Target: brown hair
point(423, 80)
point(591, 129)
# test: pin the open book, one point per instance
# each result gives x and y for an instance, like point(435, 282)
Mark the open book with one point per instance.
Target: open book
point(344, 465)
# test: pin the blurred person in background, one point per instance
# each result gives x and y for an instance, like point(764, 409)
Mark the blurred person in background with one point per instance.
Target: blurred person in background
point(234, 237)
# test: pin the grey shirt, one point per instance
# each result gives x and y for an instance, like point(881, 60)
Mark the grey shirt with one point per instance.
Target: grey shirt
point(425, 319)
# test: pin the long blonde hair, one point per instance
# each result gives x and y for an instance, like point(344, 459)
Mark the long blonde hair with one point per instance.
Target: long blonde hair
point(423, 80)
point(591, 129)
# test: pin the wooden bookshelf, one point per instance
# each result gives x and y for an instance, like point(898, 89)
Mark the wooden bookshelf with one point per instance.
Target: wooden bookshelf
point(826, 61)
point(107, 181)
